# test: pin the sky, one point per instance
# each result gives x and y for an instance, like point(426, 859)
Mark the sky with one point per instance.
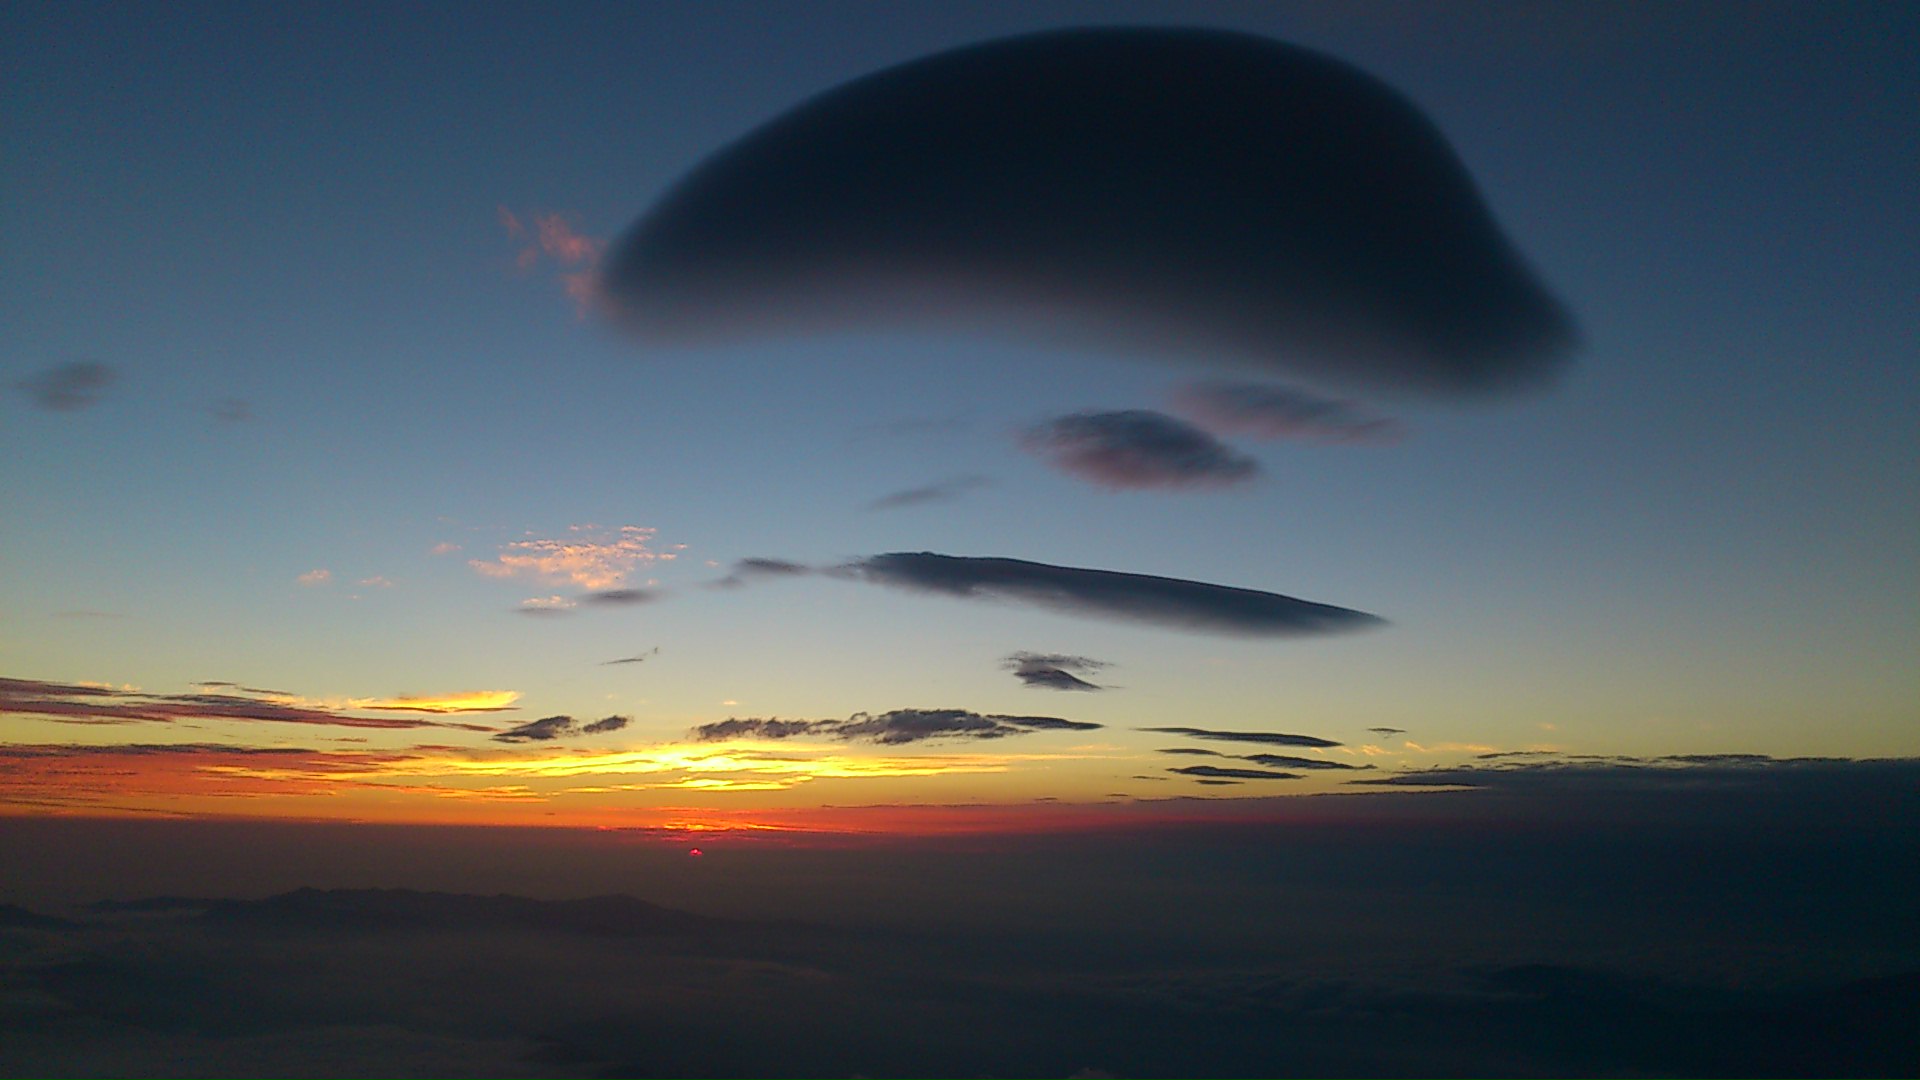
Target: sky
point(355, 468)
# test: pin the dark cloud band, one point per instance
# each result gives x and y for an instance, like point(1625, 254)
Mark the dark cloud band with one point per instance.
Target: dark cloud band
point(1269, 738)
point(890, 728)
point(1192, 605)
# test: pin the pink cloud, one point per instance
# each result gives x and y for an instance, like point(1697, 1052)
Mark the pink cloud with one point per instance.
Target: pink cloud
point(592, 558)
point(565, 246)
point(554, 239)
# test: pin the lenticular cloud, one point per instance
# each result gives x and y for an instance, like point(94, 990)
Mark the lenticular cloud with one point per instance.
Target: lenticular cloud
point(1191, 193)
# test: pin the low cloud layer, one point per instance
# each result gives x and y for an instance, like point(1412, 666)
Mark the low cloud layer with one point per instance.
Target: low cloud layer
point(1265, 411)
point(69, 387)
point(85, 704)
point(548, 728)
point(1270, 738)
point(1137, 448)
point(1053, 671)
point(1191, 605)
point(890, 728)
point(1698, 775)
point(1198, 194)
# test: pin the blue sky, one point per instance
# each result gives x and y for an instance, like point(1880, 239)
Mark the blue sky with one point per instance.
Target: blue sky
point(283, 233)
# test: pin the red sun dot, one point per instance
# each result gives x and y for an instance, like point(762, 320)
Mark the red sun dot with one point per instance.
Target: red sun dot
point(695, 852)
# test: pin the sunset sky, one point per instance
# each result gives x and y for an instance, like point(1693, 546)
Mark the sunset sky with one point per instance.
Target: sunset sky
point(330, 489)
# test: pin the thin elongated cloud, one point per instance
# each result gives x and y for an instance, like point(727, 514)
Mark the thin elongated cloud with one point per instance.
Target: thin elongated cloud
point(459, 702)
point(1197, 194)
point(69, 387)
point(548, 728)
point(942, 491)
point(1283, 761)
point(1386, 731)
point(746, 570)
point(1053, 671)
point(1137, 448)
point(1269, 738)
point(1265, 411)
point(84, 704)
point(1191, 605)
point(622, 597)
point(890, 728)
point(639, 658)
point(589, 557)
point(1270, 761)
point(1216, 772)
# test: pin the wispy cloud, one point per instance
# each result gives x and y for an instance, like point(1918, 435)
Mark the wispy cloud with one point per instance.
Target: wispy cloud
point(546, 605)
point(890, 728)
point(1137, 449)
point(1053, 671)
point(745, 570)
point(556, 727)
point(1279, 412)
point(84, 704)
point(1282, 761)
point(1167, 601)
point(231, 410)
point(553, 238)
point(1216, 772)
point(638, 658)
point(459, 702)
point(1270, 738)
point(69, 387)
point(590, 557)
point(622, 597)
point(940, 491)
point(315, 577)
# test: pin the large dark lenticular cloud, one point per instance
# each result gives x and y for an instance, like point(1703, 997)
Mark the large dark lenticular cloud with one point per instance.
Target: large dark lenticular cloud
point(1193, 605)
point(1202, 193)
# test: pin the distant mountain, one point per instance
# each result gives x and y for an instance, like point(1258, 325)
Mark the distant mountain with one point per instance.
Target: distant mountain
point(19, 918)
point(406, 909)
point(153, 905)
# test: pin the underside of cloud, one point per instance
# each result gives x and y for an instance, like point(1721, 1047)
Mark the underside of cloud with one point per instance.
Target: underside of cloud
point(890, 728)
point(1197, 194)
point(1265, 411)
point(83, 704)
point(1053, 671)
point(69, 387)
point(1137, 448)
point(548, 728)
